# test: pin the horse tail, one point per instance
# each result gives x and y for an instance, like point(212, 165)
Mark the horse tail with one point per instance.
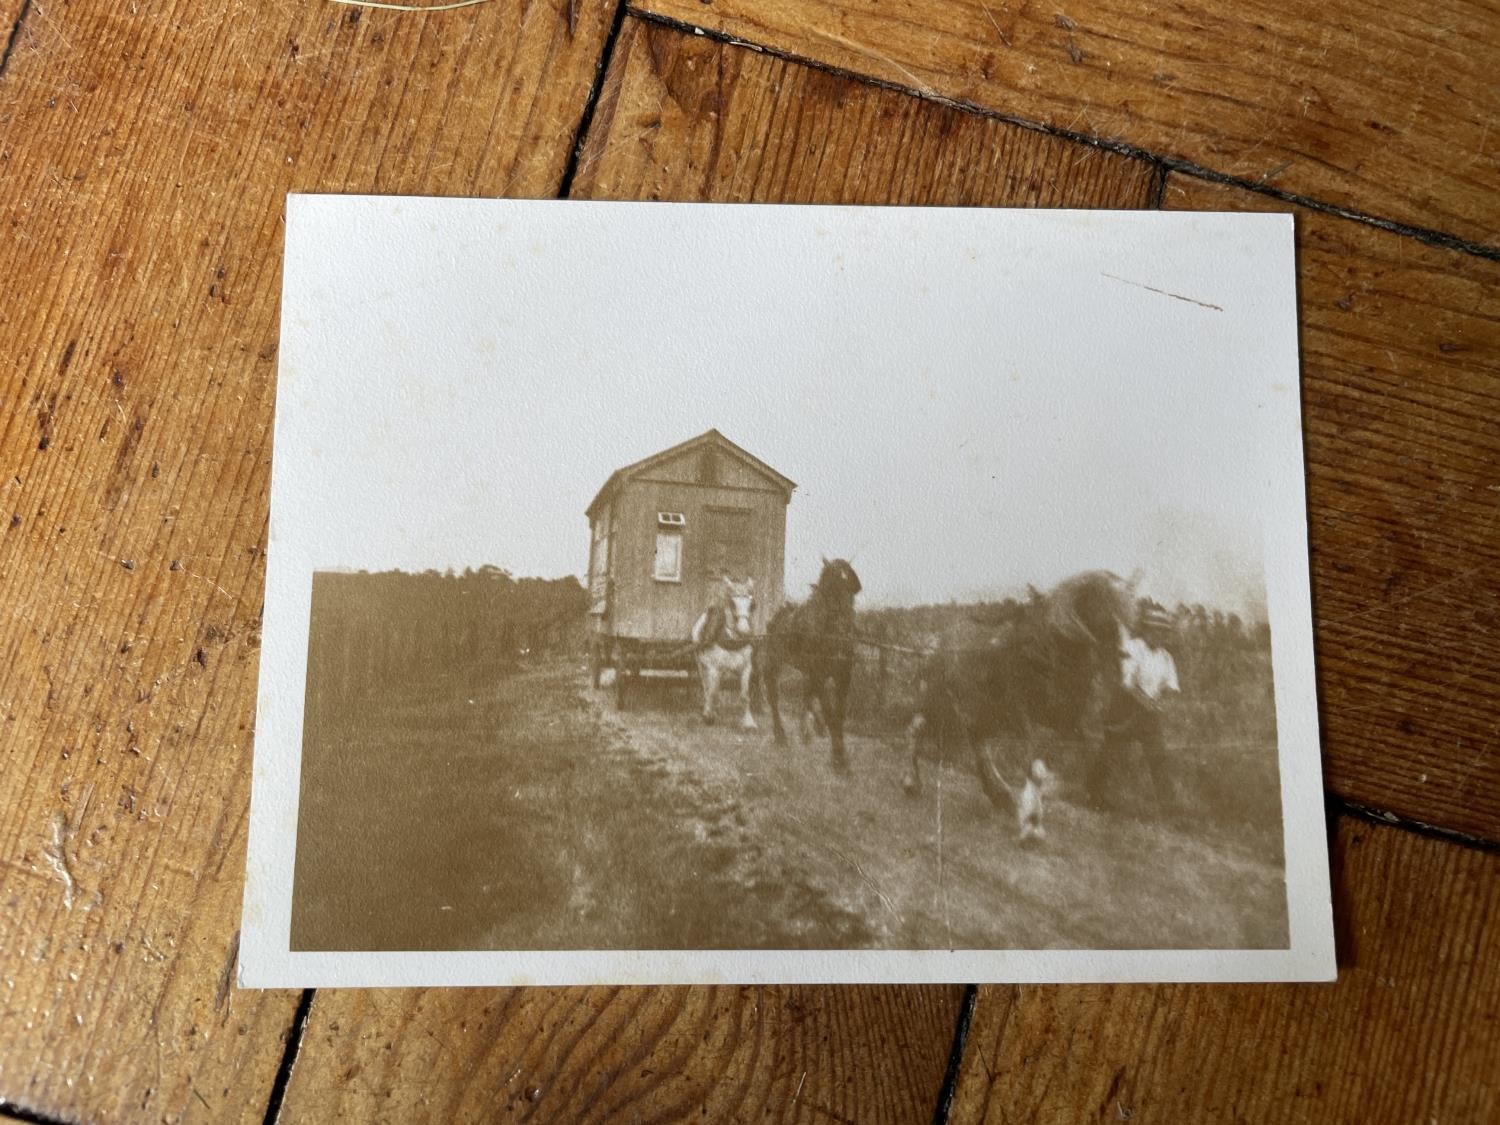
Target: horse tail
point(999, 793)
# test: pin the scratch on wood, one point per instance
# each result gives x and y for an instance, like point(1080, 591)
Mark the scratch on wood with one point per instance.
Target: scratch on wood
point(1163, 292)
point(870, 53)
point(1425, 591)
point(991, 16)
point(211, 582)
point(226, 975)
point(57, 851)
point(1271, 173)
point(411, 7)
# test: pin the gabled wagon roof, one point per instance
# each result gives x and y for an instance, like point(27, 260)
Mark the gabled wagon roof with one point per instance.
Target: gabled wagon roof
point(708, 437)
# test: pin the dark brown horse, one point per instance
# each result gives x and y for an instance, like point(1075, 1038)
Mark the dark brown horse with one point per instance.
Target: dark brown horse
point(1044, 667)
point(816, 638)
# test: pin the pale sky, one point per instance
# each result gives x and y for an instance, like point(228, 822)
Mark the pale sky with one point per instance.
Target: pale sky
point(969, 401)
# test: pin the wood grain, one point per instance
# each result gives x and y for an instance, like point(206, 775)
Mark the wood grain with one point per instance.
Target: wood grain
point(863, 1054)
point(1393, 117)
point(145, 152)
point(10, 29)
point(1410, 1032)
point(1401, 399)
point(687, 118)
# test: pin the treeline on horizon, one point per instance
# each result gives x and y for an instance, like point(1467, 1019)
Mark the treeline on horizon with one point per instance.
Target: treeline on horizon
point(371, 630)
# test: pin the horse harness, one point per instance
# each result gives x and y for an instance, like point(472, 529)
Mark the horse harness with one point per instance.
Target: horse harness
point(717, 632)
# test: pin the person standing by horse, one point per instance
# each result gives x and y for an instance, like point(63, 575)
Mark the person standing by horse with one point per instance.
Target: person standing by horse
point(817, 638)
point(1137, 701)
point(724, 644)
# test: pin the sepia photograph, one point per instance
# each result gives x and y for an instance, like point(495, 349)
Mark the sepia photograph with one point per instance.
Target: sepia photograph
point(679, 593)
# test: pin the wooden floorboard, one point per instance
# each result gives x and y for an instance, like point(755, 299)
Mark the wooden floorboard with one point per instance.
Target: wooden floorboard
point(1410, 1032)
point(20, 1116)
point(867, 1054)
point(1392, 117)
point(145, 151)
point(1401, 396)
point(687, 118)
point(11, 33)
point(144, 154)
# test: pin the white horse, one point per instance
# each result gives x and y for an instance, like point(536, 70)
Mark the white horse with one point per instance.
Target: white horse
point(725, 645)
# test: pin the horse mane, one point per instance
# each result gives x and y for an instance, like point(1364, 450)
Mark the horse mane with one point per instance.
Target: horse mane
point(1047, 661)
point(713, 625)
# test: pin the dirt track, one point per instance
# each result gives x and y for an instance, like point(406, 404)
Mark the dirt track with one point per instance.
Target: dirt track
point(531, 814)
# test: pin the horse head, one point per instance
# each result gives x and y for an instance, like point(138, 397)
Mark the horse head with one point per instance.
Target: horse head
point(838, 583)
point(739, 603)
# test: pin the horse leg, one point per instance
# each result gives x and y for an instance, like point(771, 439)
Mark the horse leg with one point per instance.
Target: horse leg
point(915, 730)
point(813, 714)
point(838, 696)
point(1101, 778)
point(810, 718)
point(757, 677)
point(826, 693)
point(746, 672)
point(771, 678)
point(818, 713)
point(708, 672)
point(1154, 750)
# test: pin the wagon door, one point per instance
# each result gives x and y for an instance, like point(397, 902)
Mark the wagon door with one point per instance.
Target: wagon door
point(729, 546)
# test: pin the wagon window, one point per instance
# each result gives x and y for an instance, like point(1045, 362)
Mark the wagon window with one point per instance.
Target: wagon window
point(668, 566)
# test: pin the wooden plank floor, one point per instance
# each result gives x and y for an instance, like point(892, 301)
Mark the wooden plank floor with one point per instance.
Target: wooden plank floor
point(1407, 1034)
point(1390, 118)
point(144, 154)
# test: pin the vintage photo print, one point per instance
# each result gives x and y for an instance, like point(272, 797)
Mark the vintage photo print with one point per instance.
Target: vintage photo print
point(680, 593)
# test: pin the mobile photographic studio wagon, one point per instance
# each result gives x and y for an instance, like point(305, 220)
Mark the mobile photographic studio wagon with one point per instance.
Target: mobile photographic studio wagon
point(663, 531)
